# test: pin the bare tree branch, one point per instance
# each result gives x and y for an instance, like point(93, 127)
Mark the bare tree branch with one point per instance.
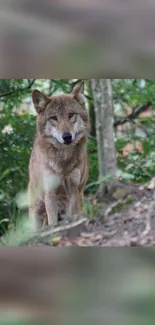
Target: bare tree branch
point(91, 137)
point(135, 113)
point(73, 84)
point(10, 92)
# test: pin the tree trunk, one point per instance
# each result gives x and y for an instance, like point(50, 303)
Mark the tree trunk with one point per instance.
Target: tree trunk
point(102, 93)
point(91, 111)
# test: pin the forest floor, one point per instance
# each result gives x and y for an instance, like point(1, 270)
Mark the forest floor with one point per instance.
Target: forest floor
point(126, 220)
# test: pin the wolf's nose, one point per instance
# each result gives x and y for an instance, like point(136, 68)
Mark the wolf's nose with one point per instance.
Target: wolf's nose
point(67, 137)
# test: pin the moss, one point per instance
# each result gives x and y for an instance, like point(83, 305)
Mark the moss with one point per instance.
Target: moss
point(129, 199)
point(120, 205)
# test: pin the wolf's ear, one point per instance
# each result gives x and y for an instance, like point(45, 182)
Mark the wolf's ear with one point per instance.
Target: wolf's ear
point(78, 93)
point(39, 100)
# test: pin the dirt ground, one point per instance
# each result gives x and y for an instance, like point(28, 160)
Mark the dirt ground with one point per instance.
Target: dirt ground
point(128, 220)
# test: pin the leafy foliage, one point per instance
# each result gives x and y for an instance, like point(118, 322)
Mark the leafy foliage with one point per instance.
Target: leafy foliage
point(15, 149)
point(133, 94)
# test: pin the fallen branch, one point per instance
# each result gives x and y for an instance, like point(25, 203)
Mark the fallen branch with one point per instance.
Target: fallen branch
point(74, 227)
point(148, 225)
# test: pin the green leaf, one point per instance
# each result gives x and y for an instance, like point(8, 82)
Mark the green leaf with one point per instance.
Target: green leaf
point(146, 146)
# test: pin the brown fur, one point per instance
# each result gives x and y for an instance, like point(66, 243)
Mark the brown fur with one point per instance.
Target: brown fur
point(53, 161)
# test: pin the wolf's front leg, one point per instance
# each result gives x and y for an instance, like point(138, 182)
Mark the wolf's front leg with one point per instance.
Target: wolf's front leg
point(51, 204)
point(35, 215)
point(73, 193)
point(51, 183)
point(73, 206)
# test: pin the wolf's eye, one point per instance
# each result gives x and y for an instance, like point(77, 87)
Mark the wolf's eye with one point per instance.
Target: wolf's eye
point(71, 115)
point(54, 118)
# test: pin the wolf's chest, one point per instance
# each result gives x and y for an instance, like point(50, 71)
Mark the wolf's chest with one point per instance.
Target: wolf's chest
point(55, 167)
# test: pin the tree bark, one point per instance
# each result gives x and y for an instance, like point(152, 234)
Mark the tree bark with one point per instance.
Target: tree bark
point(91, 112)
point(102, 93)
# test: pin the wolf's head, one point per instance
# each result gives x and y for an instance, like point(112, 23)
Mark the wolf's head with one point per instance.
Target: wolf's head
point(62, 120)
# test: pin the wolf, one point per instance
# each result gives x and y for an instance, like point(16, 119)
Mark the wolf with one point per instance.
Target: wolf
point(58, 166)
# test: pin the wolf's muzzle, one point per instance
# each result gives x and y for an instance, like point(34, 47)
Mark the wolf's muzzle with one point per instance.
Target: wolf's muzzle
point(67, 137)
